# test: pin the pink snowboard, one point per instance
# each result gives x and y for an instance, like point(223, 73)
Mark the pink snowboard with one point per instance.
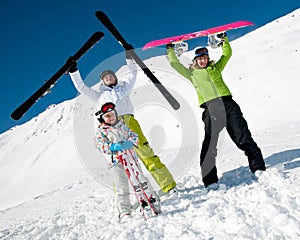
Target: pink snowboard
point(198, 34)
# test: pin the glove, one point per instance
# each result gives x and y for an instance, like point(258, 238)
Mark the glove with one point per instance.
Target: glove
point(222, 35)
point(120, 146)
point(116, 147)
point(73, 66)
point(169, 45)
point(127, 144)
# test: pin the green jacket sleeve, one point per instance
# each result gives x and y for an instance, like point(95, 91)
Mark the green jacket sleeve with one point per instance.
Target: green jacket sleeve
point(177, 65)
point(227, 53)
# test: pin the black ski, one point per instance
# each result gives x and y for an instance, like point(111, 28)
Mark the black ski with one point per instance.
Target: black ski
point(43, 90)
point(103, 18)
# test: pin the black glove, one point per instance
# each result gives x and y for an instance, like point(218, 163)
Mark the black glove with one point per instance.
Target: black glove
point(73, 65)
point(170, 45)
point(222, 35)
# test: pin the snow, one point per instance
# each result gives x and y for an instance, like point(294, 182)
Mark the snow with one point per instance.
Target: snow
point(55, 186)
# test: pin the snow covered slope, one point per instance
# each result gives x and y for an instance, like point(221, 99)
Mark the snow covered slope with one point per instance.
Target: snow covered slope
point(39, 156)
point(48, 192)
point(240, 209)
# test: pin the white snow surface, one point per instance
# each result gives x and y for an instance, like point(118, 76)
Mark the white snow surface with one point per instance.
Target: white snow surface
point(48, 193)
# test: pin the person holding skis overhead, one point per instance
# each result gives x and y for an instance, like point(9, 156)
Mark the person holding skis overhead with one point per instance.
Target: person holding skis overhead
point(220, 110)
point(117, 91)
point(116, 140)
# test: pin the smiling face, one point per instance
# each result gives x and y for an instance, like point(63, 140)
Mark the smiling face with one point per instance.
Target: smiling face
point(109, 79)
point(202, 61)
point(110, 117)
point(201, 58)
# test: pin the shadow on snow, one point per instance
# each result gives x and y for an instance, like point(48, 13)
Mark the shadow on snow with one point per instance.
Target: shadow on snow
point(290, 159)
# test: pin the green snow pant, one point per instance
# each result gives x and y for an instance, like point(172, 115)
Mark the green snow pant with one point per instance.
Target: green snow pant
point(157, 169)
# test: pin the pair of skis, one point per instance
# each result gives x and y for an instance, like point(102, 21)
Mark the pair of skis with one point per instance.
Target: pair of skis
point(147, 199)
point(42, 91)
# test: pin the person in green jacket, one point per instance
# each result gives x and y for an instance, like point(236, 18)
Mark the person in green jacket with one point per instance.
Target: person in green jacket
point(220, 110)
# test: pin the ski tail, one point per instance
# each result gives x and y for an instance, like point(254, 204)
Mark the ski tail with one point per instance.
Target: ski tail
point(149, 195)
point(104, 19)
point(25, 106)
point(148, 201)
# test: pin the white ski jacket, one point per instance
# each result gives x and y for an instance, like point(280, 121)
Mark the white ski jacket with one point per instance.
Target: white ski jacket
point(119, 95)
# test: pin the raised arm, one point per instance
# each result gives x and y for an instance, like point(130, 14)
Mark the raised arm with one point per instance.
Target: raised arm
point(82, 88)
point(177, 65)
point(227, 53)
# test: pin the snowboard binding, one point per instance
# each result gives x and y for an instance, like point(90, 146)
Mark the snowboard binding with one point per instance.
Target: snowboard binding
point(180, 48)
point(214, 42)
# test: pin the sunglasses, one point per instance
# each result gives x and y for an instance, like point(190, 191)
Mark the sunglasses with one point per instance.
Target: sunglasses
point(105, 108)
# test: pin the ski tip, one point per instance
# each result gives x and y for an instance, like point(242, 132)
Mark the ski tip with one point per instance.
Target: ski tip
point(176, 106)
point(16, 115)
point(100, 14)
point(98, 35)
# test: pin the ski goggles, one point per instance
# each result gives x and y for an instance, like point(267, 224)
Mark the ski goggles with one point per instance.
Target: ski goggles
point(106, 107)
point(200, 52)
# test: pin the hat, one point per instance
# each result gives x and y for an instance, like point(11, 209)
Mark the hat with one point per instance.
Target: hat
point(106, 107)
point(108, 71)
point(200, 52)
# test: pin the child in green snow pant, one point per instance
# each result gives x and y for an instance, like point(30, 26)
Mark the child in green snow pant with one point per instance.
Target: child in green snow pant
point(151, 161)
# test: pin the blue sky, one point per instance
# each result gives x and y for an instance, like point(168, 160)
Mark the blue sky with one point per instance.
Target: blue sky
point(38, 36)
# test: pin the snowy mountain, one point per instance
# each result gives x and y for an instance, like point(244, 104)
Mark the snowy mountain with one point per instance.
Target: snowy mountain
point(54, 184)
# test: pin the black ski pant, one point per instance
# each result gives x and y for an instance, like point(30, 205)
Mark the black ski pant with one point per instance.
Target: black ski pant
point(222, 113)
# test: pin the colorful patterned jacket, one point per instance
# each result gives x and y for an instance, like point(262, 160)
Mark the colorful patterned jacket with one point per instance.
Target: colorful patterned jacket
point(107, 135)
